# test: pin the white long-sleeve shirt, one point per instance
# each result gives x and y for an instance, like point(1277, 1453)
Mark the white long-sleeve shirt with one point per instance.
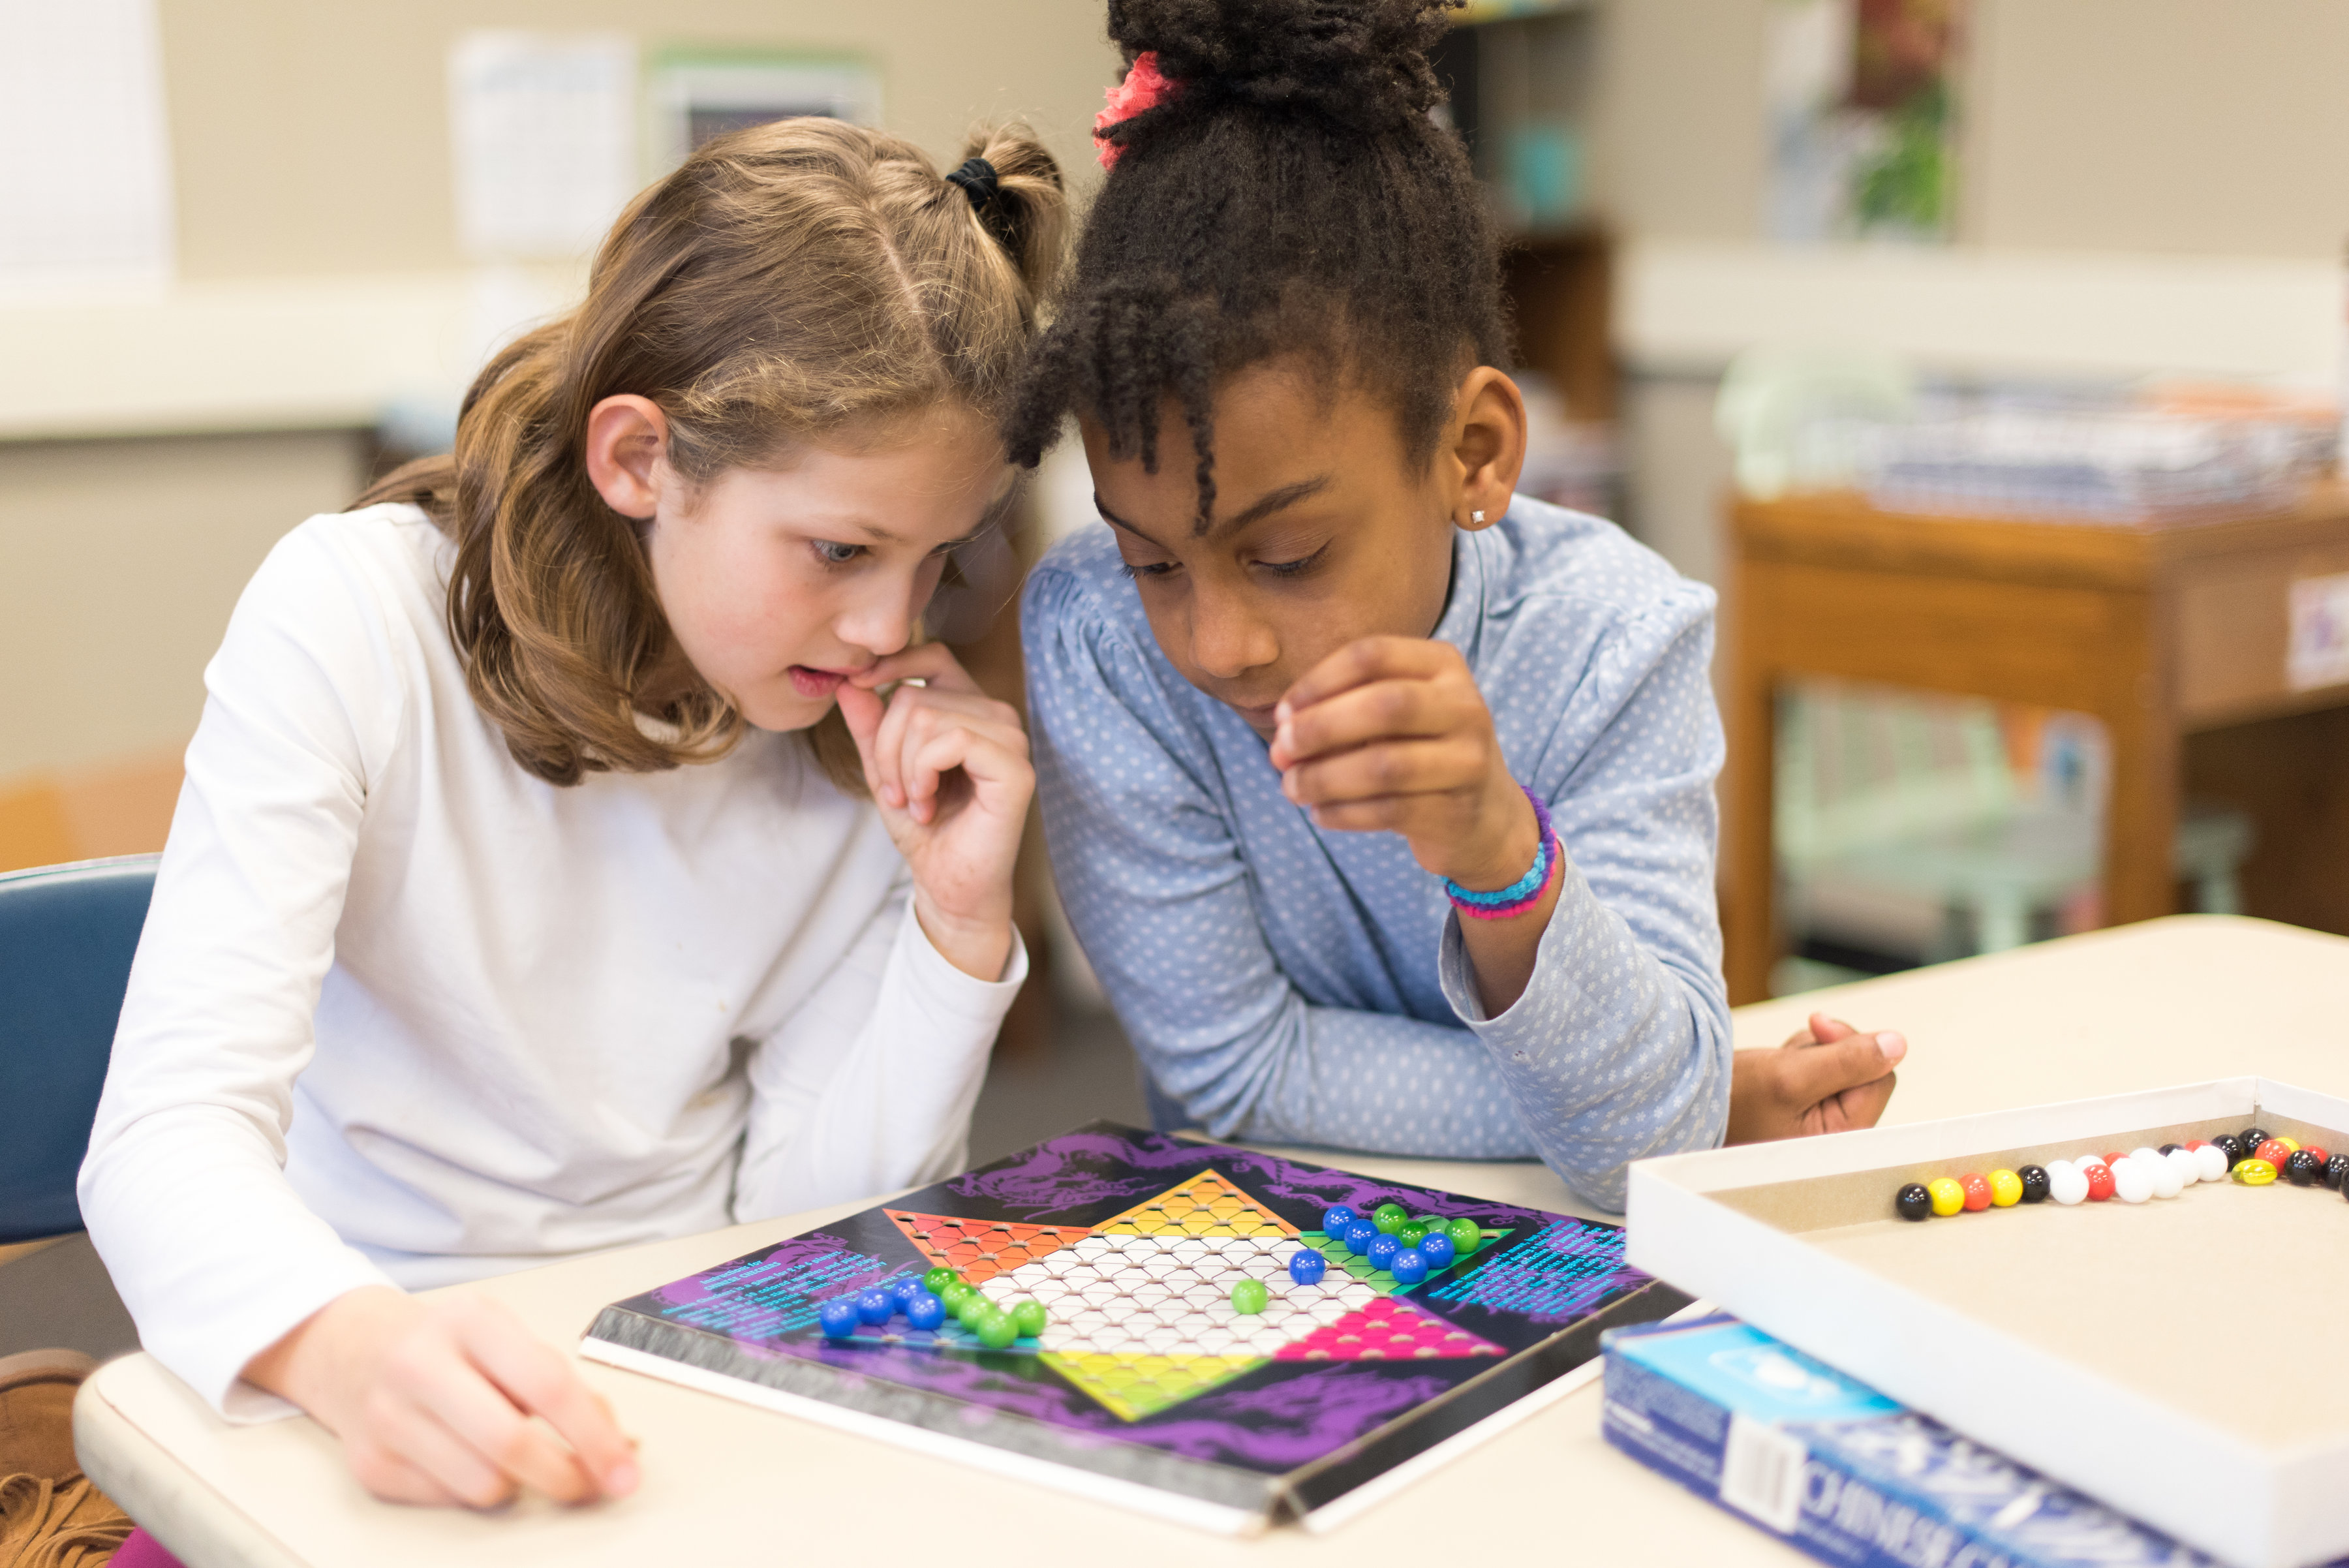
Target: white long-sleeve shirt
point(404, 1012)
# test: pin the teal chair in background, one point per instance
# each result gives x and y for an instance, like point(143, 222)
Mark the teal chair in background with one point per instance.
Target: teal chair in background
point(66, 937)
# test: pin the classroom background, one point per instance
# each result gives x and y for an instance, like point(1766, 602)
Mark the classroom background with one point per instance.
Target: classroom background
point(1986, 356)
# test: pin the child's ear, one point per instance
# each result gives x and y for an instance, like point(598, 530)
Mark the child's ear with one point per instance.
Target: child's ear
point(627, 438)
point(1488, 445)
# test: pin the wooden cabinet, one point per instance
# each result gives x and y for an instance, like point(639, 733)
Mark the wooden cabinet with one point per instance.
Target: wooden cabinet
point(2173, 637)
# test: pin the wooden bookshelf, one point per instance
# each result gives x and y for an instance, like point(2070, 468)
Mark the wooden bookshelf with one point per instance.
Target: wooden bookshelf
point(2172, 637)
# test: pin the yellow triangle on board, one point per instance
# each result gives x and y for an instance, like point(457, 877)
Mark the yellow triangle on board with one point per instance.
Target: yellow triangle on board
point(1132, 1386)
point(1204, 1205)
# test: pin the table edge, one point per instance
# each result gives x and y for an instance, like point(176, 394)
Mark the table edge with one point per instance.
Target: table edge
point(193, 1520)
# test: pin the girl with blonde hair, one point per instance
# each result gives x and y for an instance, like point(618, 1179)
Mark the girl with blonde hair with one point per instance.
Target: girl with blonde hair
point(579, 846)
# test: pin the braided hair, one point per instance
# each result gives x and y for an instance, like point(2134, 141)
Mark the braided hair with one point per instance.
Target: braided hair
point(1291, 193)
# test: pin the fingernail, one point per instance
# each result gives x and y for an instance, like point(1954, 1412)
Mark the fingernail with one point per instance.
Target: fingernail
point(1280, 714)
point(621, 1478)
point(1282, 738)
point(1288, 782)
point(1891, 1044)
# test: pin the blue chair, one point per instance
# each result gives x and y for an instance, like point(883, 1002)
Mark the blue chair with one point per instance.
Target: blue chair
point(66, 937)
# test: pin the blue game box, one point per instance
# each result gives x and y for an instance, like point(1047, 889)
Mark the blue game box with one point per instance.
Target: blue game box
point(1839, 1471)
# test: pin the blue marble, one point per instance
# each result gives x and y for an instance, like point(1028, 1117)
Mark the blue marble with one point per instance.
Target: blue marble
point(875, 1306)
point(1336, 1218)
point(838, 1316)
point(1436, 1248)
point(1307, 1266)
point(1360, 1235)
point(924, 1310)
point(1410, 1266)
point(1381, 1251)
point(903, 1291)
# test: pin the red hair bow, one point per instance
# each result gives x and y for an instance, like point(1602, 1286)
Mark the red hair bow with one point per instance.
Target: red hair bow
point(1143, 88)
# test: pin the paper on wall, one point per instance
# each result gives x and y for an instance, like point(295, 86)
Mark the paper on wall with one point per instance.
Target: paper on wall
point(2318, 652)
point(85, 155)
point(542, 127)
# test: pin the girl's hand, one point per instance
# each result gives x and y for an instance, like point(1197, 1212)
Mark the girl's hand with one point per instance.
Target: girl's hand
point(947, 765)
point(1829, 1078)
point(451, 1401)
point(1391, 733)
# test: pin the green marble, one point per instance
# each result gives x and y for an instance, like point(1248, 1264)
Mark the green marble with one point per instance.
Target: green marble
point(1465, 1235)
point(1030, 1318)
point(995, 1330)
point(937, 1280)
point(1249, 1296)
point(1390, 1218)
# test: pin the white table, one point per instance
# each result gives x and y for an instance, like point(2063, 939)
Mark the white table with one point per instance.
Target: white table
point(2168, 1001)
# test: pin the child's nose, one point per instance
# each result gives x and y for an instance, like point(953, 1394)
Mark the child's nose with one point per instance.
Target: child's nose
point(882, 622)
point(1226, 640)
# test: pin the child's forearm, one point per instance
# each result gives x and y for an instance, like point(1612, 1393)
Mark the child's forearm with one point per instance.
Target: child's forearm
point(1616, 1049)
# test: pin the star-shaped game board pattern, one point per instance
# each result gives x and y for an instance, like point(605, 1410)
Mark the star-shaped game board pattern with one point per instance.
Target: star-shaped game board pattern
point(1141, 1307)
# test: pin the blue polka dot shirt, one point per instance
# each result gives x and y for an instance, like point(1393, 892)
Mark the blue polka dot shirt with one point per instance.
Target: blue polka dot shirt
point(1289, 984)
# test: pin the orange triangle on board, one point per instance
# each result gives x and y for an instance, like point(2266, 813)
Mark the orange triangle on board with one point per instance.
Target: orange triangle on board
point(979, 1250)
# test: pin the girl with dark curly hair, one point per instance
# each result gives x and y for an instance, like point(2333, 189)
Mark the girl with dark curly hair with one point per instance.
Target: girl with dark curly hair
point(1382, 798)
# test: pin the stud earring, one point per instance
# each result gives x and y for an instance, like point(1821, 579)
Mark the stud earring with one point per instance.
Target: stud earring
point(1475, 517)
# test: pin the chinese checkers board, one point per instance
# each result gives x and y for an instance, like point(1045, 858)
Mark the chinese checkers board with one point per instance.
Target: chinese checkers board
point(1147, 1386)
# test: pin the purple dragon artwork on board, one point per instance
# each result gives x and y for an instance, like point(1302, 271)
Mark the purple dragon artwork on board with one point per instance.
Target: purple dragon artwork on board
point(1191, 1310)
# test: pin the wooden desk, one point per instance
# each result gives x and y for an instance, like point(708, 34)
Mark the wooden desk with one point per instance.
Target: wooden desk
point(2168, 1002)
point(2158, 632)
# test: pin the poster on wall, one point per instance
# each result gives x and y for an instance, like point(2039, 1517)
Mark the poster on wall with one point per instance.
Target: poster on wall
point(692, 94)
point(542, 127)
point(1861, 98)
point(84, 154)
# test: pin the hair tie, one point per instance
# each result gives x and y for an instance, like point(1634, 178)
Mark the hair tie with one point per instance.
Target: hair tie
point(1144, 88)
point(979, 179)
point(981, 183)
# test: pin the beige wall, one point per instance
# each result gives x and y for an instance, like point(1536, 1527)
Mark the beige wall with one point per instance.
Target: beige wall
point(2160, 125)
point(119, 562)
point(312, 138)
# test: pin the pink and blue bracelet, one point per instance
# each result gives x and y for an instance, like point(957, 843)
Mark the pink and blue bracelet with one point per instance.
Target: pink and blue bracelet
point(1523, 893)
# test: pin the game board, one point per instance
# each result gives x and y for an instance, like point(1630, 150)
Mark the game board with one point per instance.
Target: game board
point(1146, 1384)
